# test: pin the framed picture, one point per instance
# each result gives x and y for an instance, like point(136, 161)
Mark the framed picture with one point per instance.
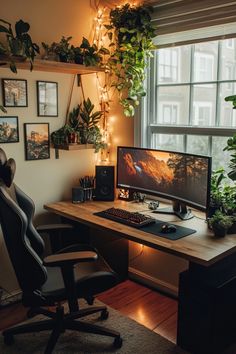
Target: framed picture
point(36, 141)
point(9, 130)
point(47, 97)
point(14, 93)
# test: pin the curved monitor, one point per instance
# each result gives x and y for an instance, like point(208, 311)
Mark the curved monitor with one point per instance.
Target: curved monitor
point(181, 177)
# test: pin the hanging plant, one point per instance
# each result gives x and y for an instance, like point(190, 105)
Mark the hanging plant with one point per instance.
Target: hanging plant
point(130, 32)
point(83, 123)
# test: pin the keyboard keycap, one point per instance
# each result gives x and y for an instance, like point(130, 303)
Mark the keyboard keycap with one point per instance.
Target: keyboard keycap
point(134, 219)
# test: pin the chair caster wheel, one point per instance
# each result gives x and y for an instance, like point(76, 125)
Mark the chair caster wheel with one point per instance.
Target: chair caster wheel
point(8, 339)
point(104, 315)
point(118, 342)
point(31, 313)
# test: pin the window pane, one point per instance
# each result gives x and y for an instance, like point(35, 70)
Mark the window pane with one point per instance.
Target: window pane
point(174, 65)
point(173, 105)
point(220, 158)
point(197, 144)
point(227, 59)
point(169, 142)
point(204, 101)
point(205, 61)
point(227, 115)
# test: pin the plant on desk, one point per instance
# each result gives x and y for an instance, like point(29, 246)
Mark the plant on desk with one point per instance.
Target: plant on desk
point(220, 223)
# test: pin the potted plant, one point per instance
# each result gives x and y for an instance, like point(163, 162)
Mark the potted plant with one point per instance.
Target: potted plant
point(81, 127)
point(220, 223)
point(88, 54)
point(131, 32)
point(88, 122)
point(20, 44)
point(231, 146)
point(49, 51)
point(216, 195)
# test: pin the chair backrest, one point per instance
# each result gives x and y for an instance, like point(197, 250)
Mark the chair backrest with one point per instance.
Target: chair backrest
point(24, 244)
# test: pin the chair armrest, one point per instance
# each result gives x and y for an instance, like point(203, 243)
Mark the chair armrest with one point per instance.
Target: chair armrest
point(62, 259)
point(54, 227)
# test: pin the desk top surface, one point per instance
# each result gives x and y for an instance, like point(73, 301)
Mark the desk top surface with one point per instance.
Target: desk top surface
point(201, 247)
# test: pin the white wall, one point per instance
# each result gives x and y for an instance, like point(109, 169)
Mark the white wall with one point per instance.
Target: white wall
point(51, 180)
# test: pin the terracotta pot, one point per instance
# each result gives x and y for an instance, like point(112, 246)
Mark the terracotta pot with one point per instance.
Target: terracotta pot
point(72, 138)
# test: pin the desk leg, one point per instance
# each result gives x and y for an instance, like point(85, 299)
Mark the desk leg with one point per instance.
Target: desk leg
point(207, 307)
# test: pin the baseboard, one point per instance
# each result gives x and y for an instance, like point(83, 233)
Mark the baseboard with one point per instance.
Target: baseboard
point(155, 283)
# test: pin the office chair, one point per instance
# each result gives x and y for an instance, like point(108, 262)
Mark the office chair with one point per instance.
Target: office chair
point(75, 272)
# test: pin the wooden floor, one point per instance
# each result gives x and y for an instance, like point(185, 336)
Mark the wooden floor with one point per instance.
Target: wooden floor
point(146, 306)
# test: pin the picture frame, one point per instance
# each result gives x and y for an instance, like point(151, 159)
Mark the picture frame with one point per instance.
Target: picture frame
point(47, 98)
point(37, 146)
point(9, 129)
point(15, 93)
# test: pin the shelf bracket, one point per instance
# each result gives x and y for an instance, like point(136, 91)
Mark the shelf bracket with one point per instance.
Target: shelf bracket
point(56, 153)
point(78, 80)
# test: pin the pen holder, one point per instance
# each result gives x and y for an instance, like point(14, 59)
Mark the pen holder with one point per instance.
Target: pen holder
point(88, 193)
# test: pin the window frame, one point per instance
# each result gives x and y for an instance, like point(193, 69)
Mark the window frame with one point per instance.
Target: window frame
point(149, 109)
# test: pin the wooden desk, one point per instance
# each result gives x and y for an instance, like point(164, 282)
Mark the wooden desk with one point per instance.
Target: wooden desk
point(207, 291)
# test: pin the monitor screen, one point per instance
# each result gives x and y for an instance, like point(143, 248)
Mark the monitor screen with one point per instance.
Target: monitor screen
point(180, 177)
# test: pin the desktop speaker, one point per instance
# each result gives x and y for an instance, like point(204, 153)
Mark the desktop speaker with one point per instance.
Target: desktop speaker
point(105, 186)
point(77, 195)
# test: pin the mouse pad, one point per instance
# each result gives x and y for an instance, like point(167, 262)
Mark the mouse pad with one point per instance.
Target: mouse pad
point(180, 232)
point(155, 229)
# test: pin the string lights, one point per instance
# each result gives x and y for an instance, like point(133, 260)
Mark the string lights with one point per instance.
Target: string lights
point(103, 89)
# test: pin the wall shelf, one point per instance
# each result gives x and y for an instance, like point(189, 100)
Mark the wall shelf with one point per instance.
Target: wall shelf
point(71, 147)
point(74, 146)
point(53, 66)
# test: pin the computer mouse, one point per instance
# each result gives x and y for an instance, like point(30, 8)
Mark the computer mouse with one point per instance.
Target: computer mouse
point(168, 228)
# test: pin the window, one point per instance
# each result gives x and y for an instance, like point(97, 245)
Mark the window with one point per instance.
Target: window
point(185, 108)
point(204, 63)
point(168, 65)
point(202, 113)
point(169, 113)
point(230, 43)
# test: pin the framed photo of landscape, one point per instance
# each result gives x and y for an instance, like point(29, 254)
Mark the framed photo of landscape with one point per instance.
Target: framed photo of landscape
point(9, 130)
point(47, 99)
point(36, 141)
point(14, 93)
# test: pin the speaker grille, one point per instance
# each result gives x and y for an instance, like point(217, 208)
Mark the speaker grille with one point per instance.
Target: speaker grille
point(105, 183)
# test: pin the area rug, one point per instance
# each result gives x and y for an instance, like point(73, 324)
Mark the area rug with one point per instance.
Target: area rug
point(137, 339)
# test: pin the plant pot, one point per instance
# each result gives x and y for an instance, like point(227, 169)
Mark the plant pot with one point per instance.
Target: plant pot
point(219, 231)
point(84, 134)
point(79, 60)
point(232, 229)
point(72, 138)
point(63, 58)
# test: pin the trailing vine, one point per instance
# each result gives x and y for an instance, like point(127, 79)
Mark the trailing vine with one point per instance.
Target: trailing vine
point(130, 32)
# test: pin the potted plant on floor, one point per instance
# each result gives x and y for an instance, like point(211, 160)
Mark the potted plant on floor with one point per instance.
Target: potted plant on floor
point(19, 45)
point(220, 223)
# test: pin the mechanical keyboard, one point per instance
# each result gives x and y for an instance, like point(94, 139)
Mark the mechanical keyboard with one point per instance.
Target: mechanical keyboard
point(134, 219)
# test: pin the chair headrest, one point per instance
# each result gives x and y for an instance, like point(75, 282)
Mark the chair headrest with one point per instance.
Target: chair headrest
point(3, 157)
point(7, 168)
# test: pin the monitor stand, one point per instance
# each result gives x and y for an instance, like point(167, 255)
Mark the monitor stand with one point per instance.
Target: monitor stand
point(178, 209)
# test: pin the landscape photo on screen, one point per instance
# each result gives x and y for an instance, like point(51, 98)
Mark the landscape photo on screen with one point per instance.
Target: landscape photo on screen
point(170, 173)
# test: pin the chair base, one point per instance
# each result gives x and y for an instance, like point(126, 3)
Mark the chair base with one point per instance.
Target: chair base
point(59, 322)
